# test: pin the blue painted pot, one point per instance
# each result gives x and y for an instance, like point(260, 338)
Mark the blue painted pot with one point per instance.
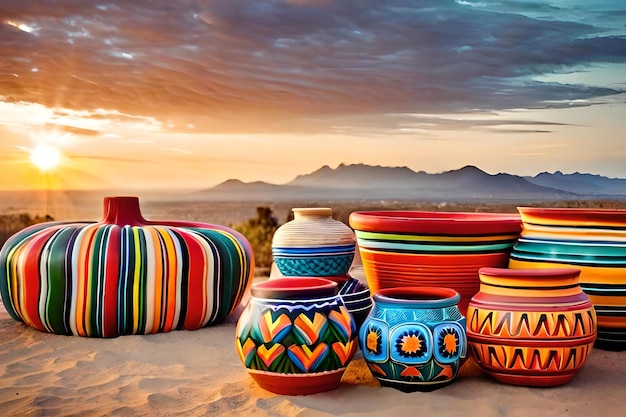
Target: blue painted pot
point(414, 338)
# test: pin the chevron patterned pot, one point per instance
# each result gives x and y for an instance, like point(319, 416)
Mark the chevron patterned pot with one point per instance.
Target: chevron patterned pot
point(124, 275)
point(295, 336)
point(532, 327)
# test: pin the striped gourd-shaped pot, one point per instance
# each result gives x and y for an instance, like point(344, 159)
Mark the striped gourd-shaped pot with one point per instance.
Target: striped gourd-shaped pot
point(124, 275)
point(313, 244)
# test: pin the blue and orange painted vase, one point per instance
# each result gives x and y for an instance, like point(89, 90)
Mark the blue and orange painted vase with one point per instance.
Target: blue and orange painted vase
point(295, 336)
point(414, 338)
point(124, 275)
point(591, 240)
point(313, 244)
point(532, 327)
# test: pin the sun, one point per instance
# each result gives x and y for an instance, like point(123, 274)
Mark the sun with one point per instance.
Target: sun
point(46, 157)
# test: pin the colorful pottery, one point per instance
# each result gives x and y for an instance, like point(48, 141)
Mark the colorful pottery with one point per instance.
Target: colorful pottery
point(356, 297)
point(354, 294)
point(414, 338)
point(593, 241)
point(530, 327)
point(313, 244)
point(124, 275)
point(295, 336)
point(418, 248)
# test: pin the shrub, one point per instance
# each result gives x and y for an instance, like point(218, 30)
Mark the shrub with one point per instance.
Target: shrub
point(13, 223)
point(259, 232)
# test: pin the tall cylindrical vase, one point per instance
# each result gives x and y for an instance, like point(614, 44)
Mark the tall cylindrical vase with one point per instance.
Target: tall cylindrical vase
point(414, 338)
point(530, 327)
point(295, 336)
point(591, 240)
point(313, 244)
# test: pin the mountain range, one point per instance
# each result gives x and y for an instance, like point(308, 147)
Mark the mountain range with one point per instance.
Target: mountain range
point(360, 181)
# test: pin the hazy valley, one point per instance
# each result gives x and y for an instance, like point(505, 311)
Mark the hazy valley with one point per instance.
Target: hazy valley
point(345, 189)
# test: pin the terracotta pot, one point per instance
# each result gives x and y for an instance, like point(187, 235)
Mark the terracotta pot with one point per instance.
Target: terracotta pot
point(124, 274)
point(313, 244)
point(414, 338)
point(296, 337)
point(530, 327)
point(591, 240)
point(419, 248)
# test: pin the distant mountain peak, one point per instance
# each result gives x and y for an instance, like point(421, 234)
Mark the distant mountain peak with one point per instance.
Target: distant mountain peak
point(466, 171)
point(238, 184)
point(362, 181)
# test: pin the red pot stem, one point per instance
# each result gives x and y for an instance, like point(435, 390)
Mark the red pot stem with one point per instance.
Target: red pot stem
point(123, 211)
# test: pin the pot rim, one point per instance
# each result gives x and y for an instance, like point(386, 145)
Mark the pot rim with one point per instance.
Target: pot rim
point(312, 211)
point(577, 214)
point(505, 273)
point(294, 288)
point(435, 222)
point(418, 297)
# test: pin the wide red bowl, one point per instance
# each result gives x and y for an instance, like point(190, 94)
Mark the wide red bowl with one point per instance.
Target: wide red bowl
point(423, 248)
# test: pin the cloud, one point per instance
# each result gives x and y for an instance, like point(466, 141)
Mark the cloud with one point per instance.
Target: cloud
point(270, 65)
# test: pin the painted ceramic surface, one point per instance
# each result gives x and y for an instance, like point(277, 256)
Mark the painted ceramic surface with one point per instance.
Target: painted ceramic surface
point(414, 338)
point(416, 248)
point(124, 275)
point(357, 298)
point(313, 244)
point(296, 336)
point(593, 241)
point(531, 327)
point(355, 295)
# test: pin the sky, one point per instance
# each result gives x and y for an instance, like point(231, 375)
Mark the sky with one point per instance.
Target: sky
point(187, 94)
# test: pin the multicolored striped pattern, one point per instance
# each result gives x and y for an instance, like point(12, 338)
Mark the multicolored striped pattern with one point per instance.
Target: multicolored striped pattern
point(593, 241)
point(106, 280)
point(412, 248)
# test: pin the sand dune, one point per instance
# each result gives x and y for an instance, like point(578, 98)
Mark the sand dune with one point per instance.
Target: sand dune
point(198, 373)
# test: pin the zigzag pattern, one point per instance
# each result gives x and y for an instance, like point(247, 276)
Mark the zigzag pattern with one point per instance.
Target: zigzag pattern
point(296, 341)
point(502, 357)
point(535, 325)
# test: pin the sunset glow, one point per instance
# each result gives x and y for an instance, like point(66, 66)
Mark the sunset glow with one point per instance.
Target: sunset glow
point(189, 96)
point(45, 157)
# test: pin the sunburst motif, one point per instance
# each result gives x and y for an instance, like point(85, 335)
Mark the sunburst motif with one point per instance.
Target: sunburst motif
point(411, 344)
point(448, 342)
point(373, 341)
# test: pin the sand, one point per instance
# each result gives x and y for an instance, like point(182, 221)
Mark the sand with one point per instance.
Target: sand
point(198, 373)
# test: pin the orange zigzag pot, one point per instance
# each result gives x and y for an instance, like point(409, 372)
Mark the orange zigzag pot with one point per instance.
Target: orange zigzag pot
point(530, 327)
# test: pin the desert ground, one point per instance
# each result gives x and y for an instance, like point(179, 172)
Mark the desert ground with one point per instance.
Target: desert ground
point(198, 373)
